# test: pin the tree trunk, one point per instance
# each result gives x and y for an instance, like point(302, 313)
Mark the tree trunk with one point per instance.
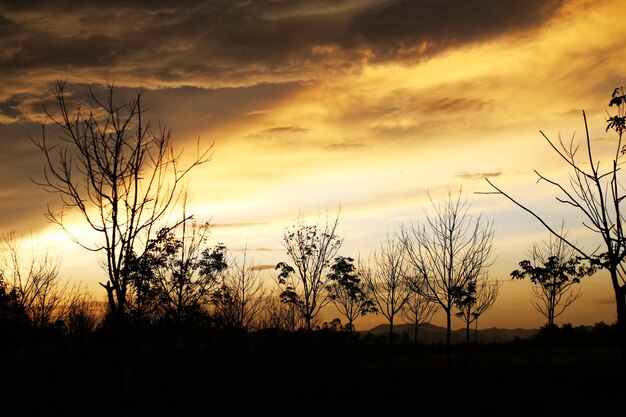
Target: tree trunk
point(620, 304)
point(120, 361)
point(620, 301)
point(448, 324)
point(391, 330)
point(475, 330)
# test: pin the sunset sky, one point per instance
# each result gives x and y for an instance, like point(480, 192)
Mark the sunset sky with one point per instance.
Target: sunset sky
point(313, 104)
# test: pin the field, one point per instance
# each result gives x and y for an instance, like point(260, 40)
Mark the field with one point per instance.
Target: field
point(323, 374)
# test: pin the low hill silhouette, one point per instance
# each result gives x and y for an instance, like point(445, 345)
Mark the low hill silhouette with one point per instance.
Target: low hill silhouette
point(431, 334)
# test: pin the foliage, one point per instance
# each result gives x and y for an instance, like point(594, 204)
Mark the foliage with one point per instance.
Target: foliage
point(553, 270)
point(347, 291)
point(117, 172)
point(175, 276)
point(596, 191)
point(311, 248)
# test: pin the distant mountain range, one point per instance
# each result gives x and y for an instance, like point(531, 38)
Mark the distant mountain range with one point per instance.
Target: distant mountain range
point(432, 334)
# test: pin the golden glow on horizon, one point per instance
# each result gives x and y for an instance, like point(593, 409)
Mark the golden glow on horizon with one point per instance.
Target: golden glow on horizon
point(375, 140)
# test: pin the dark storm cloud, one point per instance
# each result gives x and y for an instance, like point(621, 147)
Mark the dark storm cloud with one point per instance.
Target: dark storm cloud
point(187, 110)
point(22, 203)
point(392, 27)
point(243, 42)
point(8, 108)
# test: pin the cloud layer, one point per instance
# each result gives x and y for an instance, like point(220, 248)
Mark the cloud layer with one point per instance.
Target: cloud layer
point(234, 43)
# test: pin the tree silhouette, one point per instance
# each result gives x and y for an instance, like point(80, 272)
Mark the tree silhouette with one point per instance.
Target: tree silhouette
point(14, 319)
point(473, 299)
point(419, 309)
point(120, 174)
point(33, 276)
point(449, 251)
point(175, 277)
point(347, 291)
point(311, 249)
point(595, 191)
point(277, 315)
point(122, 177)
point(241, 296)
point(385, 277)
point(553, 270)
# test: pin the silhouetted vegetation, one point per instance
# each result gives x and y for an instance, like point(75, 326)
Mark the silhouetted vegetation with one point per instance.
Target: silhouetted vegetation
point(185, 328)
point(200, 368)
point(596, 191)
point(451, 250)
point(553, 270)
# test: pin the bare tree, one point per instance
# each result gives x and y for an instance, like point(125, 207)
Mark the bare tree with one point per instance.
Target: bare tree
point(596, 191)
point(476, 297)
point(311, 248)
point(83, 313)
point(554, 270)
point(385, 278)
point(34, 277)
point(348, 292)
point(419, 309)
point(449, 250)
point(241, 296)
point(120, 174)
point(278, 315)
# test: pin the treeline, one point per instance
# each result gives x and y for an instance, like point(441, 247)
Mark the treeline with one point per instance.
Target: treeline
point(123, 178)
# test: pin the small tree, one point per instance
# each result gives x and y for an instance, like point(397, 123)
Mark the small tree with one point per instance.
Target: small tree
point(277, 315)
point(553, 270)
point(33, 277)
point(311, 249)
point(13, 318)
point(241, 296)
point(385, 277)
point(176, 276)
point(472, 300)
point(347, 292)
point(419, 309)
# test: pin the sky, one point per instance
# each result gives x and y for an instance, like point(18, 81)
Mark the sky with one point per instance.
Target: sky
point(316, 106)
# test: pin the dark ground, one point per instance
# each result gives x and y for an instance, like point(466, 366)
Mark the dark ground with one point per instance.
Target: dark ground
point(325, 374)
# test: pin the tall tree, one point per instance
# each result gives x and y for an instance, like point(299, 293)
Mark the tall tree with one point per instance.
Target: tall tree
point(385, 277)
point(596, 191)
point(554, 270)
point(449, 250)
point(311, 249)
point(118, 172)
point(348, 292)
